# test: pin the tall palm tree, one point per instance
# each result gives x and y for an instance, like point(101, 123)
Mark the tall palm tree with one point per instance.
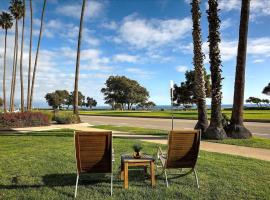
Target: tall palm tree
point(215, 129)
point(17, 10)
point(30, 57)
point(202, 123)
point(237, 128)
point(76, 91)
point(37, 53)
point(6, 23)
point(21, 60)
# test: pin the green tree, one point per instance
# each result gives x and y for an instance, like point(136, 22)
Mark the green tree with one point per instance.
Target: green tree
point(5, 23)
point(185, 93)
point(200, 93)
point(124, 91)
point(237, 128)
point(266, 89)
point(30, 57)
point(91, 102)
point(21, 60)
point(37, 53)
point(146, 105)
point(17, 10)
point(81, 99)
point(266, 102)
point(215, 129)
point(255, 100)
point(76, 87)
point(57, 99)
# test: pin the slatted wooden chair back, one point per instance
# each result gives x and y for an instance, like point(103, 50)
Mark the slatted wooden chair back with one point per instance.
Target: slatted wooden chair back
point(94, 152)
point(183, 149)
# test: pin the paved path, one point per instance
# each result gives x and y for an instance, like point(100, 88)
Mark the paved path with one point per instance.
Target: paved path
point(262, 154)
point(258, 129)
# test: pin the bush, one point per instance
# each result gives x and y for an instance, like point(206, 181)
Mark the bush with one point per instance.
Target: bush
point(46, 112)
point(225, 121)
point(67, 118)
point(25, 119)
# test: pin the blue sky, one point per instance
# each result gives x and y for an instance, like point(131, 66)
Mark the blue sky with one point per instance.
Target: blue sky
point(146, 40)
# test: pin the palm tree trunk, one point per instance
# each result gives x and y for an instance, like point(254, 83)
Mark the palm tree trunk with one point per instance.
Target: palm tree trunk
point(14, 69)
point(215, 129)
point(237, 128)
point(202, 123)
point(21, 62)
point(4, 74)
point(76, 91)
point(30, 57)
point(37, 53)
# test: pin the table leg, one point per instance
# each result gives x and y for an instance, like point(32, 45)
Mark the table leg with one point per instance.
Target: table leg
point(125, 175)
point(152, 169)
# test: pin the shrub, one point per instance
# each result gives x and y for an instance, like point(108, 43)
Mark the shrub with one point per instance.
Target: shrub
point(66, 118)
point(25, 119)
point(46, 112)
point(225, 121)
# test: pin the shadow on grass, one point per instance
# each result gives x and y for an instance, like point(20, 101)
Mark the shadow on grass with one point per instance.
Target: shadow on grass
point(55, 133)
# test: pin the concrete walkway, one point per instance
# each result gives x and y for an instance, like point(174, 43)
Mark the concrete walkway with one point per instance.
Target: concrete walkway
point(257, 153)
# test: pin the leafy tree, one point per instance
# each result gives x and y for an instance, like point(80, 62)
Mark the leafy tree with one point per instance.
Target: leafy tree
point(237, 128)
point(124, 91)
point(146, 105)
point(255, 100)
point(57, 99)
point(215, 129)
point(265, 101)
point(185, 93)
point(76, 87)
point(199, 87)
point(266, 89)
point(70, 99)
point(37, 53)
point(90, 102)
point(6, 23)
point(17, 10)
point(1, 102)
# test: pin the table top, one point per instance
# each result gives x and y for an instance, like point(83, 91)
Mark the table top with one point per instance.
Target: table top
point(130, 158)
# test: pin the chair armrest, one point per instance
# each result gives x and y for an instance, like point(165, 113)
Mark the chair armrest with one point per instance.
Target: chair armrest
point(160, 153)
point(113, 157)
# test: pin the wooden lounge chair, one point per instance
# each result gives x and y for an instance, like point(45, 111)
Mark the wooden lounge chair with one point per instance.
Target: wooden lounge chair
point(183, 150)
point(94, 153)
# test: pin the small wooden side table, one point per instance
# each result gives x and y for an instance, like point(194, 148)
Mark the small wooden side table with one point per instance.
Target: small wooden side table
point(129, 161)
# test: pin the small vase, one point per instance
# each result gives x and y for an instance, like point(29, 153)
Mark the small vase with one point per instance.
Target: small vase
point(137, 155)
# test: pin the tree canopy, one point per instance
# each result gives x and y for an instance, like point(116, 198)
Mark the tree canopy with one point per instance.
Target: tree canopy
point(90, 102)
point(185, 93)
point(266, 89)
point(124, 91)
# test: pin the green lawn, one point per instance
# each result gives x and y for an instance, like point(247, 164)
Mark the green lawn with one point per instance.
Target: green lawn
point(251, 115)
point(252, 142)
point(41, 165)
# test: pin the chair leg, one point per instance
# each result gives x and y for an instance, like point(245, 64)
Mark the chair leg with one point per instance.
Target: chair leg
point(165, 173)
point(111, 183)
point(196, 177)
point(77, 180)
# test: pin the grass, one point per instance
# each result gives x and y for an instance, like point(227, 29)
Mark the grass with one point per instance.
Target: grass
point(41, 165)
point(133, 130)
point(249, 115)
point(252, 142)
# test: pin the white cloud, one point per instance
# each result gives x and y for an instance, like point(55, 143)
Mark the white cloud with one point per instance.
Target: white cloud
point(125, 58)
point(110, 25)
point(142, 73)
point(226, 23)
point(258, 61)
point(142, 33)
point(93, 9)
point(257, 7)
point(181, 68)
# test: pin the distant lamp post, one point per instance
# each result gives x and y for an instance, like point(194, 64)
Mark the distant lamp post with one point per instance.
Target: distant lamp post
point(171, 93)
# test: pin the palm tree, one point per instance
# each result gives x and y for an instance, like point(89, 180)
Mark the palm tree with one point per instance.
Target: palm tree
point(215, 129)
point(237, 128)
point(202, 123)
point(21, 61)
point(76, 91)
point(37, 52)
point(17, 10)
point(30, 57)
point(6, 23)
